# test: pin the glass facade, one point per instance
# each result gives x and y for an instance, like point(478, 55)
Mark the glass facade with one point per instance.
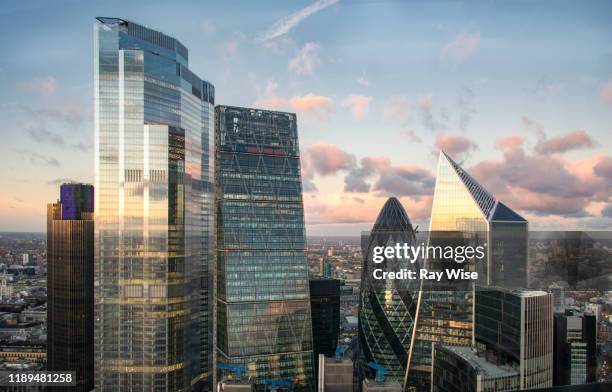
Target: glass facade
point(387, 307)
point(154, 200)
point(463, 213)
point(263, 309)
point(70, 292)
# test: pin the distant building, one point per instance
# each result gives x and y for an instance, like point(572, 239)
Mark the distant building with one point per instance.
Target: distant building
point(575, 353)
point(70, 284)
point(334, 374)
point(516, 326)
point(25, 259)
point(460, 369)
point(325, 313)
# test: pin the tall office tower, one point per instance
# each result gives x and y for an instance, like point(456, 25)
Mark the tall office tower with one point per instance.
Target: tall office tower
point(575, 352)
point(154, 235)
point(516, 326)
point(325, 310)
point(387, 307)
point(464, 213)
point(70, 289)
point(461, 368)
point(263, 305)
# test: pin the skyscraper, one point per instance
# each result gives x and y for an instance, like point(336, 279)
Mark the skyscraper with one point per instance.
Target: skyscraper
point(575, 353)
point(70, 292)
point(325, 310)
point(466, 213)
point(387, 308)
point(263, 308)
point(154, 234)
point(516, 326)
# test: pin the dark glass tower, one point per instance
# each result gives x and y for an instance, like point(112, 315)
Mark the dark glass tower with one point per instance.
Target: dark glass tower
point(387, 308)
point(70, 293)
point(325, 306)
point(263, 307)
point(154, 233)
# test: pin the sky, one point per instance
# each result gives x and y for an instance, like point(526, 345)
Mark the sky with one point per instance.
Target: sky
point(518, 92)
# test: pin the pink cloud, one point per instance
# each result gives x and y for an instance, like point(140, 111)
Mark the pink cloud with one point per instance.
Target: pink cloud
point(410, 135)
point(570, 141)
point(45, 86)
point(317, 105)
point(460, 48)
point(327, 159)
point(534, 126)
point(397, 108)
point(456, 145)
point(359, 104)
point(605, 95)
point(270, 100)
point(305, 60)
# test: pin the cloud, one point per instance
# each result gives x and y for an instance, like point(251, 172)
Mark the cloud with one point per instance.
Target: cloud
point(359, 104)
point(327, 159)
point(351, 210)
point(456, 145)
point(81, 146)
point(459, 49)
point(465, 106)
point(362, 80)
point(429, 121)
point(305, 60)
point(410, 135)
point(534, 126)
point(545, 185)
point(269, 99)
point(42, 135)
point(316, 105)
point(573, 140)
point(70, 112)
point(605, 94)
point(510, 144)
point(38, 159)
point(287, 23)
point(397, 108)
point(385, 179)
point(603, 168)
point(45, 86)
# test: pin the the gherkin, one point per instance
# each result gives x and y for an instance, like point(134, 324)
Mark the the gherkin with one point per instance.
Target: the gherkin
point(387, 307)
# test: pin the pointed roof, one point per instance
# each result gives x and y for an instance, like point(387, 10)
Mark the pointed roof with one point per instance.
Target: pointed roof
point(492, 209)
point(392, 217)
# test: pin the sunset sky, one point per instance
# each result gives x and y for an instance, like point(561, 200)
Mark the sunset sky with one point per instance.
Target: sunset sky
point(519, 92)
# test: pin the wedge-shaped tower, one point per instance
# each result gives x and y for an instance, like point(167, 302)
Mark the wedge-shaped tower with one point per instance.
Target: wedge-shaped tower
point(387, 308)
point(463, 207)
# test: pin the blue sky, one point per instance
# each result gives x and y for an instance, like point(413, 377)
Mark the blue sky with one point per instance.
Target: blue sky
point(378, 86)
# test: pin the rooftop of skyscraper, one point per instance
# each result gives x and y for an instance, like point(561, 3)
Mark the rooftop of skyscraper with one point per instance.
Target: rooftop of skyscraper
point(480, 363)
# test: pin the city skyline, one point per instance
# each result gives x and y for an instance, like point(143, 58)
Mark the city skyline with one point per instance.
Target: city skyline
point(525, 106)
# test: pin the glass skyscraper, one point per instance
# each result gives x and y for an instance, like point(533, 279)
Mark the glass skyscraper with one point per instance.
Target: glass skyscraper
point(263, 309)
point(154, 232)
point(463, 212)
point(70, 291)
point(387, 307)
